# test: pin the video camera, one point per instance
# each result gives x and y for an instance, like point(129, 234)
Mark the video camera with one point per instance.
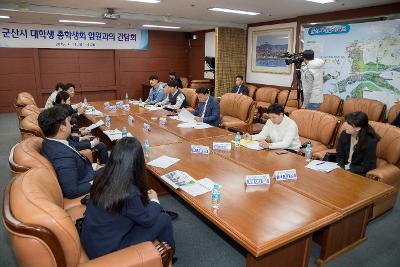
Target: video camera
point(294, 58)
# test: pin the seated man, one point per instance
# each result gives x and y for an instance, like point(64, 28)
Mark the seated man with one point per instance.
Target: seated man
point(175, 98)
point(279, 132)
point(74, 171)
point(156, 93)
point(173, 76)
point(208, 110)
point(240, 88)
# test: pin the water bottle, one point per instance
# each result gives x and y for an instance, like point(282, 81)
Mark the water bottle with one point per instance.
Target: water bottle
point(146, 148)
point(108, 122)
point(124, 132)
point(215, 196)
point(140, 102)
point(237, 140)
point(308, 153)
point(85, 101)
point(126, 97)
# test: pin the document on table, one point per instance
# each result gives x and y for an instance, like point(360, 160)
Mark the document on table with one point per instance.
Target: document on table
point(200, 187)
point(178, 179)
point(250, 144)
point(148, 107)
point(115, 134)
point(195, 125)
point(186, 116)
point(95, 112)
point(163, 162)
point(322, 166)
point(95, 125)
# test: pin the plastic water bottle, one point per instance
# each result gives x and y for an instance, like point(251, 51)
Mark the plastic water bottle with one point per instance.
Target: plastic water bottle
point(126, 97)
point(308, 153)
point(85, 101)
point(124, 132)
point(140, 102)
point(215, 196)
point(108, 122)
point(146, 148)
point(237, 140)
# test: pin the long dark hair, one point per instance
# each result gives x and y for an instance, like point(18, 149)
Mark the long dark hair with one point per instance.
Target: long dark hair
point(360, 119)
point(61, 96)
point(126, 167)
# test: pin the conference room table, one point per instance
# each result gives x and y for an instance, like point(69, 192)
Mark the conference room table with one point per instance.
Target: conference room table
point(275, 223)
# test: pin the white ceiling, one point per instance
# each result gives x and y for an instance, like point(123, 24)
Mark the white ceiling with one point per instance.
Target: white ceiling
point(191, 15)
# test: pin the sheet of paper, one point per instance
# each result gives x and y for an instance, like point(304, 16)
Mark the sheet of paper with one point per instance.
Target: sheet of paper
point(134, 102)
point(95, 125)
point(194, 189)
point(250, 144)
point(207, 183)
point(322, 166)
point(163, 162)
point(186, 116)
point(115, 134)
point(152, 108)
point(174, 118)
point(94, 113)
point(186, 125)
point(202, 125)
point(178, 179)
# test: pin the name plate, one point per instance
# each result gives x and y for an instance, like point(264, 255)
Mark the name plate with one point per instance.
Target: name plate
point(222, 146)
point(106, 105)
point(258, 179)
point(131, 119)
point(146, 127)
point(163, 121)
point(196, 149)
point(284, 175)
point(112, 108)
point(119, 103)
point(126, 107)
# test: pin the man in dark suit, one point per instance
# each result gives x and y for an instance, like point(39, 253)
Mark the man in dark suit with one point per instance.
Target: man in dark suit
point(208, 110)
point(74, 171)
point(239, 88)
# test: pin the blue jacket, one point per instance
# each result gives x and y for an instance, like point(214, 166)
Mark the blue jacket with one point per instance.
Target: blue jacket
point(74, 171)
point(156, 95)
point(104, 232)
point(211, 116)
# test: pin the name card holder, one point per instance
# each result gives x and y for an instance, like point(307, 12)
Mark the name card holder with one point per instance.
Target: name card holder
point(196, 149)
point(163, 121)
point(106, 105)
point(146, 127)
point(284, 175)
point(126, 107)
point(112, 108)
point(223, 146)
point(263, 179)
point(131, 119)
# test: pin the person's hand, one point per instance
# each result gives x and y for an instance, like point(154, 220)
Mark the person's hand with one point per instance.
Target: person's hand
point(84, 138)
point(96, 141)
point(198, 119)
point(84, 131)
point(152, 194)
point(264, 144)
point(247, 136)
point(268, 140)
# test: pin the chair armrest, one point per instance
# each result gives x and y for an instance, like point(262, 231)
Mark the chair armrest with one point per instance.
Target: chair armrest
point(388, 174)
point(321, 154)
point(87, 153)
point(141, 255)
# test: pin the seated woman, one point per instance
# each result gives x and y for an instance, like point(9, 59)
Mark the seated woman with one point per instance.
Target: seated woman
point(356, 146)
point(121, 212)
point(279, 132)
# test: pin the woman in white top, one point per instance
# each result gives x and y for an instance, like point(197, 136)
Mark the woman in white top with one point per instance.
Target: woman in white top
point(279, 132)
point(52, 97)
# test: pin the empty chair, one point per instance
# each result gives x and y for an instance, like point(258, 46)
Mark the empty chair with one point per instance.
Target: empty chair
point(331, 104)
point(373, 108)
point(393, 112)
point(252, 90)
point(291, 104)
point(191, 98)
point(316, 127)
point(29, 110)
point(236, 110)
point(185, 82)
point(29, 127)
point(23, 99)
point(43, 234)
point(265, 96)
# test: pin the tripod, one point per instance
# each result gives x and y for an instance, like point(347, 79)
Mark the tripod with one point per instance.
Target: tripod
point(299, 87)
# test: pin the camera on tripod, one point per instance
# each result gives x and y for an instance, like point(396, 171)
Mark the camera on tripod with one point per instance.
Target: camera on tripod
point(293, 58)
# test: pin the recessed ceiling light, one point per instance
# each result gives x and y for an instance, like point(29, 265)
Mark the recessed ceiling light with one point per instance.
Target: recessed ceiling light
point(227, 10)
point(4, 17)
point(160, 26)
point(146, 1)
point(322, 1)
point(81, 21)
point(313, 23)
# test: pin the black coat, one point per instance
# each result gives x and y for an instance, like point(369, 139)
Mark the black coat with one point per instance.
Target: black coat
point(363, 159)
point(243, 90)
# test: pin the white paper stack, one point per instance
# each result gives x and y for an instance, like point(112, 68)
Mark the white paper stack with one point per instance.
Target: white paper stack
point(178, 179)
point(95, 125)
point(186, 116)
point(200, 187)
point(322, 166)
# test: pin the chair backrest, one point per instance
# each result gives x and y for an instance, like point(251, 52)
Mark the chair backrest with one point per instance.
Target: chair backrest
point(315, 125)
point(29, 127)
point(23, 99)
point(393, 112)
point(191, 97)
point(388, 147)
point(41, 231)
point(252, 90)
point(331, 104)
point(29, 110)
point(292, 101)
point(185, 82)
point(373, 108)
point(267, 94)
point(237, 106)
point(200, 83)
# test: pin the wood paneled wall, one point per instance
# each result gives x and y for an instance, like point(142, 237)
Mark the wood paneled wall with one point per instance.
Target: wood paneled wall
point(97, 74)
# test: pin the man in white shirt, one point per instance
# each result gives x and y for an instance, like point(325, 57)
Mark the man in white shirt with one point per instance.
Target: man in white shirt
point(279, 132)
point(175, 98)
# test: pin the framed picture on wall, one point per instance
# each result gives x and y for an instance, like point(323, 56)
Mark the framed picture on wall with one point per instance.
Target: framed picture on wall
point(267, 49)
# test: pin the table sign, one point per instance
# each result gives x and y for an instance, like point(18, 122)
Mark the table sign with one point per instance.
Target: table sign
point(163, 121)
point(146, 127)
point(112, 108)
point(119, 103)
point(131, 119)
point(197, 149)
point(106, 105)
point(223, 146)
point(126, 107)
point(284, 175)
point(263, 179)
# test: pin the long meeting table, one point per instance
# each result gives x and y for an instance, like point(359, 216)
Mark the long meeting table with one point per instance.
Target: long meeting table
point(275, 224)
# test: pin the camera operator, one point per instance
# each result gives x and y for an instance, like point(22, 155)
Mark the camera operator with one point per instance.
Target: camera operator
point(312, 79)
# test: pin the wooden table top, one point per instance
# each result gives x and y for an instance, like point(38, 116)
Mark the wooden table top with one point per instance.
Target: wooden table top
point(260, 218)
point(338, 189)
